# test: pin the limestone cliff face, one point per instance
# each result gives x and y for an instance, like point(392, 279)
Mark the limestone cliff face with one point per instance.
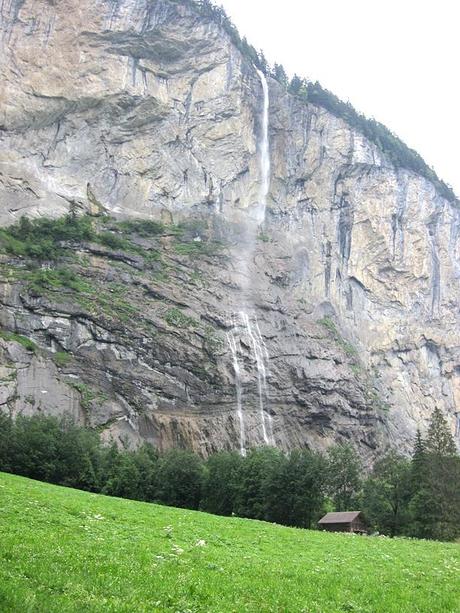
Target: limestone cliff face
point(350, 290)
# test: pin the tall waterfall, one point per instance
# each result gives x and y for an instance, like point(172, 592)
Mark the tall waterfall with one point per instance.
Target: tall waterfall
point(261, 358)
point(239, 393)
point(245, 330)
point(264, 153)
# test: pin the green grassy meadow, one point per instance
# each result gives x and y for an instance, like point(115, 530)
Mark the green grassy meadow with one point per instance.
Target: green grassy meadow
point(66, 550)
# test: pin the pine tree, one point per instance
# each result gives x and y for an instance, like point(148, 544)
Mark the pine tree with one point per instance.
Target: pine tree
point(295, 85)
point(418, 464)
point(279, 74)
point(435, 503)
point(420, 507)
point(262, 62)
point(439, 440)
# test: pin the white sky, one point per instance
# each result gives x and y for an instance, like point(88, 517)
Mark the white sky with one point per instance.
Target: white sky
point(395, 60)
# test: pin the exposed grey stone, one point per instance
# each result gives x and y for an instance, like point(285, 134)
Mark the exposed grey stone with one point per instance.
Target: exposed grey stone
point(144, 110)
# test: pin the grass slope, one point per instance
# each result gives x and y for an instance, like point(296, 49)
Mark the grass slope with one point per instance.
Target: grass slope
point(67, 550)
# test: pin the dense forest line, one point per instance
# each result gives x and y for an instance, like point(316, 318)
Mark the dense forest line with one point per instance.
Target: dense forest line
point(394, 149)
point(417, 497)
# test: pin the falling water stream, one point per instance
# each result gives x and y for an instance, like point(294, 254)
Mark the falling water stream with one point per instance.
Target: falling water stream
point(239, 390)
point(264, 152)
point(246, 326)
point(261, 358)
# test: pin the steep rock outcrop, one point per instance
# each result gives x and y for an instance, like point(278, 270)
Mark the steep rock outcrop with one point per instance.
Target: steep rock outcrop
point(146, 109)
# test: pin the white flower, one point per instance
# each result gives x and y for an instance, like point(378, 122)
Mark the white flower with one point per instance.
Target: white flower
point(200, 543)
point(177, 550)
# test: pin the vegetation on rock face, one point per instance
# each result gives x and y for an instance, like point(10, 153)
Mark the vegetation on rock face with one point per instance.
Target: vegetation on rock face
point(196, 248)
point(65, 550)
point(142, 227)
point(88, 396)
point(49, 256)
point(27, 343)
point(44, 239)
point(42, 279)
point(48, 239)
point(329, 324)
point(177, 319)
point(62, 358)
point(400, 497)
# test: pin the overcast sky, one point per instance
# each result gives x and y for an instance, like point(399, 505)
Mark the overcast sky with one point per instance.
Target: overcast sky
point(395, 60)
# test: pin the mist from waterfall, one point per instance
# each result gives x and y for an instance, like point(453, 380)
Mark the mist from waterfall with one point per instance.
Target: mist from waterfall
point(245, 326)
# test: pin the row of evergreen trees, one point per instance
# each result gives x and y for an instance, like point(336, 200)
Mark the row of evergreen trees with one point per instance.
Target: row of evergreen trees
point(415, 497)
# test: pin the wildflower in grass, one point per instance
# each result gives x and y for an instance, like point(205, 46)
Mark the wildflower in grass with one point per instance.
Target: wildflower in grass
point(200, 543)
point(177, 550)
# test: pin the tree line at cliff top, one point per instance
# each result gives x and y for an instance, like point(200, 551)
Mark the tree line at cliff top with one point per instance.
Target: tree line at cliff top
point(395, 150)
point(417, 497)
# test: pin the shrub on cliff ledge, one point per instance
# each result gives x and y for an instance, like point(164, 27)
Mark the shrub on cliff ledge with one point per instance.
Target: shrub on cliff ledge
point(176, 318)
point(43, 238)
point(19, 338)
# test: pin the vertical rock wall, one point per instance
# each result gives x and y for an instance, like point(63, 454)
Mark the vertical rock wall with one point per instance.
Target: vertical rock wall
point(147, 110)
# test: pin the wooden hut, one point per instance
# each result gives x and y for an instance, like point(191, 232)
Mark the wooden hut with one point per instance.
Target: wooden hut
point(347, 521)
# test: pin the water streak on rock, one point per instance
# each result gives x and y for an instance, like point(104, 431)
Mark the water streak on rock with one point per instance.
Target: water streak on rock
point(264, 153)
point(239, 404)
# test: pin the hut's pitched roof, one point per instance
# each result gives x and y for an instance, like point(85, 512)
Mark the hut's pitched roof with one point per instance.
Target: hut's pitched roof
point(344, 517)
